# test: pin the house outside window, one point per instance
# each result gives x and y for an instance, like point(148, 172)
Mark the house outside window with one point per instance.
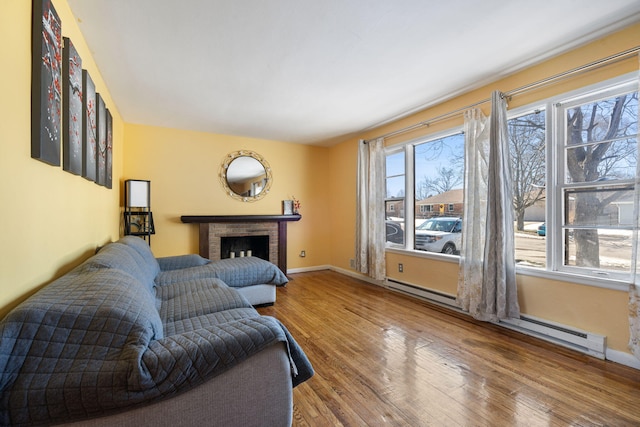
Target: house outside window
point(426, 209)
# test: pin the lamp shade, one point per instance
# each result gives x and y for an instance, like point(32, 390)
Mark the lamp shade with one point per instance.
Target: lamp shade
point(137, 193)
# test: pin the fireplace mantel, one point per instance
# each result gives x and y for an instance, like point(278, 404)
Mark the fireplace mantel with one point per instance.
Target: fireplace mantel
point(209, 223)
point(200, 219)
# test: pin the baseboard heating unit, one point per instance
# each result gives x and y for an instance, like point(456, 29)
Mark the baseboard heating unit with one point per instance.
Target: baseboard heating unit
point(582, 341)
point(585, 342)
point(428, 294)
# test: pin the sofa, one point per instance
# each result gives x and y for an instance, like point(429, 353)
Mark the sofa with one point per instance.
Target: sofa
point(126, 339)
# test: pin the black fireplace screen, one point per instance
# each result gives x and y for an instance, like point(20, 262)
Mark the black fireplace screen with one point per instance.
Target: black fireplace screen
point(237, 246)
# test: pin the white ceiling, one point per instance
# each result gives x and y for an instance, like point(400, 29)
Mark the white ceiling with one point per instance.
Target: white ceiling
point(317, 71)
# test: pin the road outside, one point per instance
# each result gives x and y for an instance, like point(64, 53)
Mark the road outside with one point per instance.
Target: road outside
point(615, 249)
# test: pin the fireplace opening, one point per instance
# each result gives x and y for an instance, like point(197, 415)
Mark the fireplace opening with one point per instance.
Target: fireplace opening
point(257, 246)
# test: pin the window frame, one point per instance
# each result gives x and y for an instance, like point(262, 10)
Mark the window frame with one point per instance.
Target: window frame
point(598, 91)
point(554, 208)
point(543, 105)
point(387, 152)
point(409, 198)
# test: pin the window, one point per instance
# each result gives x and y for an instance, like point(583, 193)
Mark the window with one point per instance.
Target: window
point(432, 173)
point(394, 198)
point(597, 156)
point(439, 174)
point(527, 148)
point(573, 197)
point(573, 170)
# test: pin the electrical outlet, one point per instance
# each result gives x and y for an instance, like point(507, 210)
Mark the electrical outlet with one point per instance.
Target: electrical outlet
point(303, 254)
point(400, 267)
point(352, 263)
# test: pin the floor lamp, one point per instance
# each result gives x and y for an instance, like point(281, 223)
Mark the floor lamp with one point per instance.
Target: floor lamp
point(138, 218)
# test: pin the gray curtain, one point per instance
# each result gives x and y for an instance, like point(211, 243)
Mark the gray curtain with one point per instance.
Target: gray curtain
point(500, 294)
point(474, 220)
point(370, 193)
point(487, 283)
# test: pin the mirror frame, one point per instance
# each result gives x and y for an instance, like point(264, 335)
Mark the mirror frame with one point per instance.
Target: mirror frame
point(229, 158)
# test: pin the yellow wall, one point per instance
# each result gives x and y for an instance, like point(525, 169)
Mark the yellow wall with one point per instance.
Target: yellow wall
point(50, 220)
point(593, 309)
point(342, 184)
point(184, 166)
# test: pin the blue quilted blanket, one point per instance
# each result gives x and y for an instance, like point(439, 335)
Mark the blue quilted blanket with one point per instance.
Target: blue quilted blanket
point(235, 272)
point(99, 340)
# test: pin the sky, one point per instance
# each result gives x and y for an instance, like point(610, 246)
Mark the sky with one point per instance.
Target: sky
point(447, 152)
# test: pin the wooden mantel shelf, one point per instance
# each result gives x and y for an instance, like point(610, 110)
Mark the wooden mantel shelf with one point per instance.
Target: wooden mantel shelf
point(204, 219)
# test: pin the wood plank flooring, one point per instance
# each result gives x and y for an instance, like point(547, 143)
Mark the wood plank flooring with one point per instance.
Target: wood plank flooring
point(383, 358)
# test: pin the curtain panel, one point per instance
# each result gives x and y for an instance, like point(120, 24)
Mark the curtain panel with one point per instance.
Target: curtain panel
point(499, 280)
point(370, 194)
point(476, 159)
point(487, 282)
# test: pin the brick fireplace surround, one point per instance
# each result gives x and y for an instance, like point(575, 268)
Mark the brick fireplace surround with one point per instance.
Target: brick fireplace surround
point(213, 228)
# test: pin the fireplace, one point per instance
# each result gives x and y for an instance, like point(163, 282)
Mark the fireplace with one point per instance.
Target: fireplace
point(239, 246)
point(213, 234)
point(264, 235)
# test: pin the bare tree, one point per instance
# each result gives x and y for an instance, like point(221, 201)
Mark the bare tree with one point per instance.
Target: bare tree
point(448, 151)
point(599, 141)
point(423, 190)
point(446, 179)
point(527, 148)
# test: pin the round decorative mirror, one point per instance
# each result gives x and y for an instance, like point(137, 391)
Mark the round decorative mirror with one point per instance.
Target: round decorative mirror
point(245, 175)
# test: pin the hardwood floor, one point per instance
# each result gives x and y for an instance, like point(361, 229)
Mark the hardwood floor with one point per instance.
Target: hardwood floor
point(383, 358)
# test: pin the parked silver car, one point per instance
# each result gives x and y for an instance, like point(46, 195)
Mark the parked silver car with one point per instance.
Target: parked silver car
point(442, 234)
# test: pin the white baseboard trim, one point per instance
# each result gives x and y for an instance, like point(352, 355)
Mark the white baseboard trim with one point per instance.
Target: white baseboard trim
point(357, 275)
point(346, 272)
point(307, 269)
point(623, 358)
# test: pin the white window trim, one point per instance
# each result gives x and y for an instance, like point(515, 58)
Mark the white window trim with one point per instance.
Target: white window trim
point(410, 196)
point(554, 206)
